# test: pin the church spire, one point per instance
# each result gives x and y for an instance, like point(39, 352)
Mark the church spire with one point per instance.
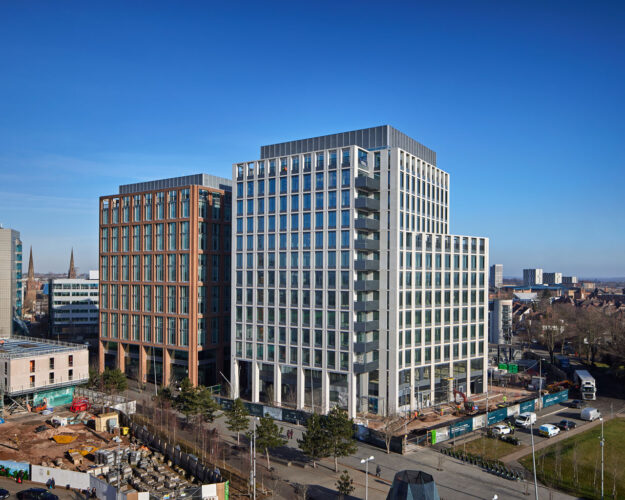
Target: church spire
point(71, 274)
point(31, 266)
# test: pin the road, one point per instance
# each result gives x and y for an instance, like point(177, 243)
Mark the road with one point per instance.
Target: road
point(13, 488)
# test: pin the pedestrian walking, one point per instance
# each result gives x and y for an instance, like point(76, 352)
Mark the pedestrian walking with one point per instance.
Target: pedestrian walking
point(378, 471)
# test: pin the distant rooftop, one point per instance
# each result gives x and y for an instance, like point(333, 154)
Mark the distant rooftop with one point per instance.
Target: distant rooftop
point(372, 138)
point(210, 181)
point(23, 347)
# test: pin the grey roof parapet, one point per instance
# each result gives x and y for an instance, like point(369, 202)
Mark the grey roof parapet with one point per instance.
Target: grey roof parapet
point(211, 181)
point(383, 136)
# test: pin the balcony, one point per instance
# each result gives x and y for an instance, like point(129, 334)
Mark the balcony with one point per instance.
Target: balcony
point(366, 285)
point(366, 367)
point(365, 224)
point(367, 183)
point(367, 244)
point(368, 204)
point(366, 305)
point(366, 265)
point(372, 345)
point(366, 326)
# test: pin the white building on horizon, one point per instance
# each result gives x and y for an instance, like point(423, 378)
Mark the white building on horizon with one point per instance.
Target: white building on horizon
point(347, 288)
point(552, 278)
point(532, 277)
point(495, 277)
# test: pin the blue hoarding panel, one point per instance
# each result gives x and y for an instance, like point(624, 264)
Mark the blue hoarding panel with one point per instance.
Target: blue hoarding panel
point(497, 416)
point(527, 406)
point(460, 428)
point(553, 399)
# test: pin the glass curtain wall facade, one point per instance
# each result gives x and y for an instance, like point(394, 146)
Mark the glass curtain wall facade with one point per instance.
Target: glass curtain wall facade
point(348, 289)
point(165, 280)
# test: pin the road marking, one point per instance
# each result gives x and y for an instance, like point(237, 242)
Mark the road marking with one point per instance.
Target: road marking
point(552, 413)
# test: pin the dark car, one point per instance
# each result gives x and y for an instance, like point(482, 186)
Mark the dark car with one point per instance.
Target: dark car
point(566, 425)
point(577, 403)
point(36, 494)
point(4, 494)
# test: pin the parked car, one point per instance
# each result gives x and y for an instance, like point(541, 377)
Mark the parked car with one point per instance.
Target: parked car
point(548, 430)
point(500, 430)
point(4, 494)
point(565, 425)
point(525, 419)
point(576, 403)
point(36, 494)
point(590, 414)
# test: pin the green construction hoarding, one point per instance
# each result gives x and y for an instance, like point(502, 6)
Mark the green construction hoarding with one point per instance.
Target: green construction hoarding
point(55, 397)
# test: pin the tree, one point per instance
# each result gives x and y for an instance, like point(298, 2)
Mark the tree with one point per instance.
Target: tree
point(237, 418)
point(314, 443)
point(390, 425)
point(208, 407)
point(345, 485)
point(188, 401)
point(95, 380)
point(340, 429)
point(269, 435)
point(114, 380)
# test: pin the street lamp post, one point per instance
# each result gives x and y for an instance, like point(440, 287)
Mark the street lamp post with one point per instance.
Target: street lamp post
point(534, 461)
point(602, 443)
point(366, 462)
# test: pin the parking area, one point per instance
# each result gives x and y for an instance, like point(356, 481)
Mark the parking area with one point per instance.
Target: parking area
point(556, 413)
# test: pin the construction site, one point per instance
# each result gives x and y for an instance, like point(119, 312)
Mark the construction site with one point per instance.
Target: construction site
point(96, 444)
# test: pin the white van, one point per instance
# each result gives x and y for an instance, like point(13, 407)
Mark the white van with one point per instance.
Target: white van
point(589, 414)
point(525, 419)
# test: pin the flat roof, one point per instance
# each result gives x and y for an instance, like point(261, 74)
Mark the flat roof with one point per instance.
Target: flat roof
point(372, 138)
point(24, 347)
point(206, 180)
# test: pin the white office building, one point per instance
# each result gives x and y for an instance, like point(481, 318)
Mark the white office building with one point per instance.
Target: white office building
point(552, 278)
point(348, 289)
point(532, 277)
point(10, 279)
point(500, 319)
point(73, 307)
point(496, 276)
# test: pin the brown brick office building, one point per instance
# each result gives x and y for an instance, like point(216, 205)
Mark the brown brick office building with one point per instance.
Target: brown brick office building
point(165, 279)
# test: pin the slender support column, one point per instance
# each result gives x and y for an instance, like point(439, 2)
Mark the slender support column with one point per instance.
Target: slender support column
point(255, 381)
point(166, 367)
point(325, 392)
point(234, 378)
point(143, 364)
point(277, 385)
point(101, 356)
point(121, 357)
point(301, 388)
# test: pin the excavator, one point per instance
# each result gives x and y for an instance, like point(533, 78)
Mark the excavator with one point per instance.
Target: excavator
point(470, 408)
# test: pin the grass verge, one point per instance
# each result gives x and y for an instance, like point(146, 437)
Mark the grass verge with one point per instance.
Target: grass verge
point(574, 464)
point(488, 448)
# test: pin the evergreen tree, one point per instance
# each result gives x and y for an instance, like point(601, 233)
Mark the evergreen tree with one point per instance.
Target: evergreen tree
point(340, 431)
point(208, 407)
point(188, 400)
point(269, 435)
point(345, 485)
point(237, 418)
point(114, 380)
point(314, 443)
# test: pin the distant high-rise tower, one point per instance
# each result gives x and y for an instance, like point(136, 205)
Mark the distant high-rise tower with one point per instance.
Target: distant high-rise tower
point(496, 276)
point(71, 274)
point(10, 279)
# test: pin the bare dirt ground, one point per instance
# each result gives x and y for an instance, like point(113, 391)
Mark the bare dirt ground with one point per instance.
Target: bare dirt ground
point(20, 442)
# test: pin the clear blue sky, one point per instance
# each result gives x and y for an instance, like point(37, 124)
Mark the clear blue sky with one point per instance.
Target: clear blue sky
point(523, 103)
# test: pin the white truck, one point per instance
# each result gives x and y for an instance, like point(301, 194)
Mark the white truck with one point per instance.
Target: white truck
point(587, 384)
